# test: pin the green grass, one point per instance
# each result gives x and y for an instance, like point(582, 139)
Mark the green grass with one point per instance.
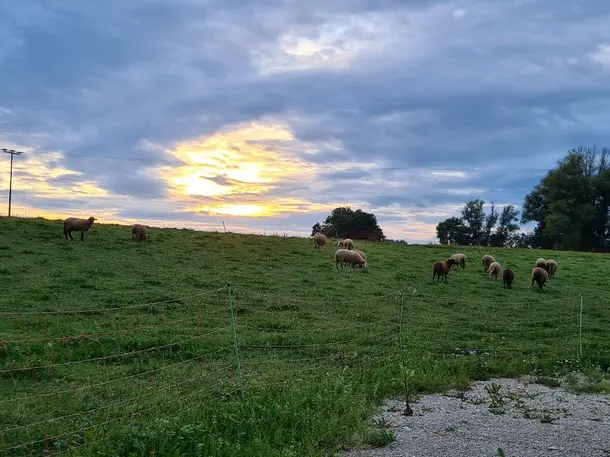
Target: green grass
point(114, 348)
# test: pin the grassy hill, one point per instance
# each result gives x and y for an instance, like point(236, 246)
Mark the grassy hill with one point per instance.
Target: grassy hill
point(111, 347)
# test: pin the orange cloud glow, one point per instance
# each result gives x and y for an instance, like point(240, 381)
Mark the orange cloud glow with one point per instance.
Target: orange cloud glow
point(227, 168)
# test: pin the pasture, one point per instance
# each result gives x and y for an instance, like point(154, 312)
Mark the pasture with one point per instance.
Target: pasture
point(115, 348)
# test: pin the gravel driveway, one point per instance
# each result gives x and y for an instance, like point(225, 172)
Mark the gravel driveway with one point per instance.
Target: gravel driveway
point(524, 419)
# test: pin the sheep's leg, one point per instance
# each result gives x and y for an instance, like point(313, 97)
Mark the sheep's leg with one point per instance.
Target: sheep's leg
point(70, 234)
point(82, 235)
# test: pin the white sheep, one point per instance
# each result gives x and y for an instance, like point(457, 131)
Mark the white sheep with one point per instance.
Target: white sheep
point(459, 259)
point(319, 240)
point(75, 224)
point(551, 267)
point(347, 243)
point(541, 263)
point(540, 276)
point(494, 270)
point(487, 260)
point(347, 257)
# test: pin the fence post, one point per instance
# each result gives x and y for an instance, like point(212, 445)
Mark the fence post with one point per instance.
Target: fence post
point(580, 325)
point(402, 311)
point(239, 374)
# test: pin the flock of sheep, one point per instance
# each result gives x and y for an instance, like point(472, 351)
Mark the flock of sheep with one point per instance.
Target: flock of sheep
point(139, 232)
point(540, 273)
point(345, 255)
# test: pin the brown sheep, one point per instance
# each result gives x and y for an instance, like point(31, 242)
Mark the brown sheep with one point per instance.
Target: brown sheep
point(319, 240)
point(508, 277)
point(540, 276)
point(551, 267)
point(347, 257)
point(75, 224)
point(139, 232)
point(541, 263)
point(347, 243)
point(487, 261)
point(441, 268)
point(494, 270)
point(460, 259)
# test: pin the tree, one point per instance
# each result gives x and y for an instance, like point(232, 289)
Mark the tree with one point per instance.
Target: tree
point(490, 222)
point(571, 204)
point(452, 231)
point(507, 227)
point(347, 223)
point(474, 216)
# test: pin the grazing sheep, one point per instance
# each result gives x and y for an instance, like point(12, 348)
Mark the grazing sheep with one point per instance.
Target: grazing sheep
point(508, 277)
point(139, 232)
point(540, 276)
point(487, 261)
point(75, 224)
point(347, 257)
point(541, 263)
point(441, 268)
point(319, 240)
point(347, 243)
point(494, 270)
point(361, 253)
point(551, 267)
point(460, 259)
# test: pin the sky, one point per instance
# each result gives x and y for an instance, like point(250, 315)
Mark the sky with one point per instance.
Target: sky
point(266, 115)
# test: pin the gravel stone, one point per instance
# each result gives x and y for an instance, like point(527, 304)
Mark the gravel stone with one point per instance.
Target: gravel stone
point(526, 420)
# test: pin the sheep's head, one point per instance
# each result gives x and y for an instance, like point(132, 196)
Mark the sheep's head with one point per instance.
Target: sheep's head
point(451, 262)
point(91, 219)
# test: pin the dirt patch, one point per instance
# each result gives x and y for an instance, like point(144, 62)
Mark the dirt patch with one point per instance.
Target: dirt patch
point(521, 417)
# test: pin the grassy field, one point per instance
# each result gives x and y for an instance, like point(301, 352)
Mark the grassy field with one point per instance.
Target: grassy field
point(112, 348)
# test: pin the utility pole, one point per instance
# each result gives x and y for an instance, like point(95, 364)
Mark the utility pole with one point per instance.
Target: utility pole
point(13, 153)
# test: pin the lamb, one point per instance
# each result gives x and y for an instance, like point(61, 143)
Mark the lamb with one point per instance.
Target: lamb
point(508, 277)
point(319, 240)
point(75, 224)
point(460, 259)
point(487, 260)
point(441, 268)
point(494, 270)
point(139, 232)
point(540, 276)
point(541, 263)
point(551, 267)
point(347, 257)
point(347, 243)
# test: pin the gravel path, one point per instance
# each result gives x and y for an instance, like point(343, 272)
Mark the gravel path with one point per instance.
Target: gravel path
point(525, 420)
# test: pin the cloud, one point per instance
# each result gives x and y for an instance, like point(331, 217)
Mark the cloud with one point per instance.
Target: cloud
point(269, 111)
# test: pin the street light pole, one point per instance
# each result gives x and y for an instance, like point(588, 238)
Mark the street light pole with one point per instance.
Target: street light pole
point(13, 153)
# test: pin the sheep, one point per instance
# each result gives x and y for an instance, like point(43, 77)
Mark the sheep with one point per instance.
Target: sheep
point(494, 270)
point(319, 240)
point(347, 243)
point(347, 257)
point(508, 277)
point(139, 232)
point(487, 260)
point(460, 259)
point(540, 276)
point(441, 268)
point(551, 267)
point(362, 254)
point(75, 224)
point(541, 263)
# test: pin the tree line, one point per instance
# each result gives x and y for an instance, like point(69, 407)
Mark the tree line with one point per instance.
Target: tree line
point(344, 222)
point(570, 206)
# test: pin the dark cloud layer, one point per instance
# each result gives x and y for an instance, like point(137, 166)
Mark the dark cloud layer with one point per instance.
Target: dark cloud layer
point(508, 85)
